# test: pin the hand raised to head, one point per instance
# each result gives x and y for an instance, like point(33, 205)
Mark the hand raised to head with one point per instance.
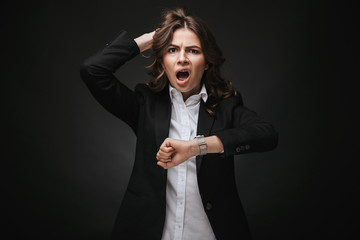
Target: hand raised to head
point(145, 41)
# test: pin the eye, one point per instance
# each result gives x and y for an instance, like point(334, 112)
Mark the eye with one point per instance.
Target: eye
point(194, 51)
point(172, 50)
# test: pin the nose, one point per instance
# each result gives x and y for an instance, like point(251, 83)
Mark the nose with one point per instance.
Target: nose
point(182, 58)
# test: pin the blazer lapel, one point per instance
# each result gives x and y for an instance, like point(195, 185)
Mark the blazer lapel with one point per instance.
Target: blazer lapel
point(162, 118)
point(205, 123)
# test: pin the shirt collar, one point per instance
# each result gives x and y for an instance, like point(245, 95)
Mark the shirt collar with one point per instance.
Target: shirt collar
point(173, 92)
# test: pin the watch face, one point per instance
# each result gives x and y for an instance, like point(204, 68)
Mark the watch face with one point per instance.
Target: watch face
point(202, 144)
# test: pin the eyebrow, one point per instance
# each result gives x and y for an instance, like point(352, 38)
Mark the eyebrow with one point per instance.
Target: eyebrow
point(191, 46)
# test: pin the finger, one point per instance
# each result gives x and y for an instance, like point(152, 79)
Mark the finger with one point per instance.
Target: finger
point(166, 165)
point(164, 156)
point(164, 160)
point(166, 149)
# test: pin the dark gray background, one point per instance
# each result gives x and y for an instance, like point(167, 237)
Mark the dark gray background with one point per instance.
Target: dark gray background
point(66, 161)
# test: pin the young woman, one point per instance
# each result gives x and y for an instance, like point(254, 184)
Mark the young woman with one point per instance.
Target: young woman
point(189, 124)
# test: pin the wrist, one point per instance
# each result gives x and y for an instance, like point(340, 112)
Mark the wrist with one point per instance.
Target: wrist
point(144, 41)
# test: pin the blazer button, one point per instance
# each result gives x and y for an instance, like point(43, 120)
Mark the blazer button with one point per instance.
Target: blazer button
point(238, 149)
point(208, 206)
point(247, 147)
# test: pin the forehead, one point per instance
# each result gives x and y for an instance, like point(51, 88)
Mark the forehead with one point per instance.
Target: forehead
point(185, 37)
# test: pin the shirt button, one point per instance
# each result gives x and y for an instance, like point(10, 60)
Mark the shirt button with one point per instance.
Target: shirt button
point(208, 206)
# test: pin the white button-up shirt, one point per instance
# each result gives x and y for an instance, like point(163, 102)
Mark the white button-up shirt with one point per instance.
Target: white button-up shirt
point(185, 215)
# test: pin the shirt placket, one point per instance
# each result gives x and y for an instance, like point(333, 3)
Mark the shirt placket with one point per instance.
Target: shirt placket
point(182, 174)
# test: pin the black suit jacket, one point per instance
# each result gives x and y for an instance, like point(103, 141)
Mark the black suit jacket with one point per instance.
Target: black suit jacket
point(142, 212)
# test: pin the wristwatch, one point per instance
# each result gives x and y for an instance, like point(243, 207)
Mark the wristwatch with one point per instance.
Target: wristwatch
point(202, 144)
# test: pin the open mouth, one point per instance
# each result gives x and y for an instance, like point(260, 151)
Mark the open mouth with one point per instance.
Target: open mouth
point(182, 75)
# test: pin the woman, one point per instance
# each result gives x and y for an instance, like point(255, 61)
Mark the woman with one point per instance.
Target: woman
point(189, 125)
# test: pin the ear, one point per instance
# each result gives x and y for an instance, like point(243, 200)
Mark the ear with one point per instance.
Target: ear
point(206, 66)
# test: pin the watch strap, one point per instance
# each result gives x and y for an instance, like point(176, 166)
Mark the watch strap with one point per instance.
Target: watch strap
point(202, 144)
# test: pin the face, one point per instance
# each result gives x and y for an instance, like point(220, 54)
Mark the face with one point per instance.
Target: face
point(184, 62)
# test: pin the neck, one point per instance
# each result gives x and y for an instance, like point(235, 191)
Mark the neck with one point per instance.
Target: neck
point(186, 95)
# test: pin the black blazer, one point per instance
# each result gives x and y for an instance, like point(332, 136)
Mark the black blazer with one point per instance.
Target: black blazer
point(142, 212)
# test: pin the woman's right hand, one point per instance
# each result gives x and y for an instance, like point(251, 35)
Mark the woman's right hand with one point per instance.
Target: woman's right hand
point(145, 41)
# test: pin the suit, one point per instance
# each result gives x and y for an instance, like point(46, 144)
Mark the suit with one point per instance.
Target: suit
point(241, 130)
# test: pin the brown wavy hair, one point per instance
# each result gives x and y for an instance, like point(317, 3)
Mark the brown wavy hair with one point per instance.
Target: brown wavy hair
point(177, 18)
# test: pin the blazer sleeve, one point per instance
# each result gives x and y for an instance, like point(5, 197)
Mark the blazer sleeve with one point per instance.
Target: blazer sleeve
point(247, 132)
point(98, 74)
